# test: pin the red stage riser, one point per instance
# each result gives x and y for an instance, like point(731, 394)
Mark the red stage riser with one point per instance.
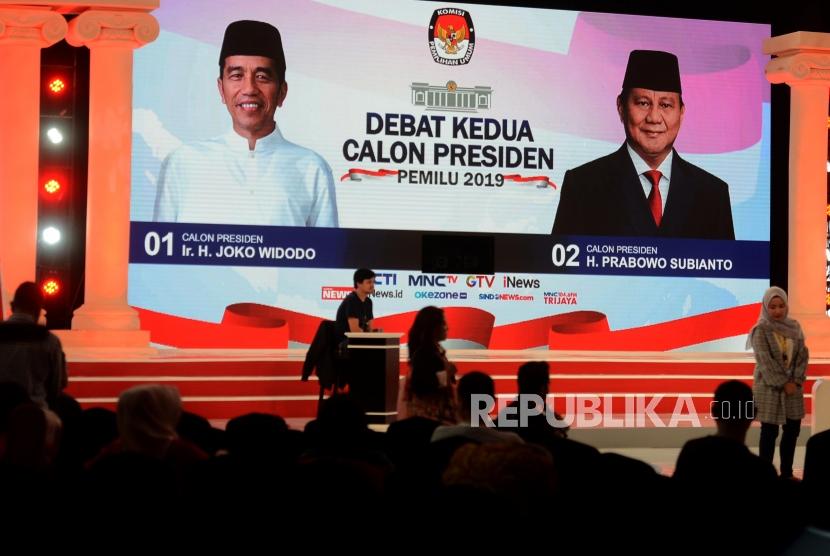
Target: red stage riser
point(221, 408)
point(298, 409)
point(100, 383)
point(229, 409)
point(613, 367)
point(201, 388)
point(294, 387)
point(294, 368)
point(192, 367)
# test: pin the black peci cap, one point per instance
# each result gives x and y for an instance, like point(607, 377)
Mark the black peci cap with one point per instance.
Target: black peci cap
point(253, 38)
point(652, 69)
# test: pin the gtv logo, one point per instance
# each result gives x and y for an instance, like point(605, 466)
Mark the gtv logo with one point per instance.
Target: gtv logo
point(433, 280)
point(480, 281)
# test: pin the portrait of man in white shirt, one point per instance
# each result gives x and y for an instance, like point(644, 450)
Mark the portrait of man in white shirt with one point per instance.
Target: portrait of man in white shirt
point(251, 174)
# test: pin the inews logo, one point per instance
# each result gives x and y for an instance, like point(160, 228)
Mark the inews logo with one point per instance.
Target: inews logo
point(335, 293)
point(338, 293)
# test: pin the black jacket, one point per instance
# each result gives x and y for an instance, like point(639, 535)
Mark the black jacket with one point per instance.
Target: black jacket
point(605, 198)
point(322, 355)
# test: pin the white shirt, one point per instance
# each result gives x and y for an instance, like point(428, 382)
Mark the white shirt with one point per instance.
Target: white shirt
point(642, 167)
point(222, 181)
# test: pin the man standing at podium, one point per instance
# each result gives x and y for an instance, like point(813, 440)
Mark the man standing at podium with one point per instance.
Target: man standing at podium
point(355, 312)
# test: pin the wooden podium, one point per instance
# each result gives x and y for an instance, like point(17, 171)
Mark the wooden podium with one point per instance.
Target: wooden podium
point(374, 370)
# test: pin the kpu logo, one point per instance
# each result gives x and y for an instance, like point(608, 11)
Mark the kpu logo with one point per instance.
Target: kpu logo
point(451, 36)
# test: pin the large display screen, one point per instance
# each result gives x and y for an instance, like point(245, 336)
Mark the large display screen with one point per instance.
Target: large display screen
point(402, 120)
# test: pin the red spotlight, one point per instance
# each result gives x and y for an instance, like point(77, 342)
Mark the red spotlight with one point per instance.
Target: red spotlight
point(53, 185)
point(57, 96)
point(57, 86)
point(51, 287)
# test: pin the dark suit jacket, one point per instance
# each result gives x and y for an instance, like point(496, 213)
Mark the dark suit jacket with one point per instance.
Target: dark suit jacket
point(322, 355)
point(605, 197)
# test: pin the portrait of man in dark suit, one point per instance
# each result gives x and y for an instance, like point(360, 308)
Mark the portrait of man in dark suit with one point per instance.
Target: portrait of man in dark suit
point(645, 188)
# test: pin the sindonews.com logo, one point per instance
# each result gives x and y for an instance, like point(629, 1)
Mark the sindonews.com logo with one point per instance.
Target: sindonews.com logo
point(504, 297)
point(609, 410)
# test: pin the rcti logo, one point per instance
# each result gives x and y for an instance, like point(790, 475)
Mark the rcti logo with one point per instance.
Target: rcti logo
point(386, 279)
point(451, 36)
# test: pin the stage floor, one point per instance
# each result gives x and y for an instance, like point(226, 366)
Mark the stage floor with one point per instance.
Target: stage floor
point(632, 389)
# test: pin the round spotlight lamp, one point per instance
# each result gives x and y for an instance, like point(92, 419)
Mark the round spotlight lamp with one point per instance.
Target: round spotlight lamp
point(51, 287)
point(57, 86)
point(51, 235)
point(52, 187)
point(54, 135)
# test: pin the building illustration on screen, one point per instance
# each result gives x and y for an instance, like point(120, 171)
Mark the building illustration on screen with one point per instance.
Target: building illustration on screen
point(451, 97)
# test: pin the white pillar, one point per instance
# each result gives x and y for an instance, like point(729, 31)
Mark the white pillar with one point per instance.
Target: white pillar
point(105, 319)
point(802, 61)
point(23, 33)
point(821, 407)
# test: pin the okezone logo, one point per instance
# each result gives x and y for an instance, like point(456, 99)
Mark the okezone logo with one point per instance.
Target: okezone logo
point(451, 36)
point(334, 293)
point(440, 295)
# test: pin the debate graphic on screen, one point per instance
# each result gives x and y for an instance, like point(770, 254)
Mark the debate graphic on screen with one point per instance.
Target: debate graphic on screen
point(428, 118)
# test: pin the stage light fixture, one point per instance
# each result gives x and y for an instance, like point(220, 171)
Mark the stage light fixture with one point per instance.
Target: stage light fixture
point(51, 235)
point(57, 86)
point(52, 187)
point(51, 287)
point(62, 175)
point(54, 135)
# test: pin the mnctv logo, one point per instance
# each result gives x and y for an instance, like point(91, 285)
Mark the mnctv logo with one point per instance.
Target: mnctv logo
point(451, 36)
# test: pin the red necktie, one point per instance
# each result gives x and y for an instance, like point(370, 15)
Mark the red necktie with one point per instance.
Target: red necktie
point(655, 201)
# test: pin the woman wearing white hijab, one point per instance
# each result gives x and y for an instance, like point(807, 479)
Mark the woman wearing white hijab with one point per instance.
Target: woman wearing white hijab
point(780, 369)
point(147, 418)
